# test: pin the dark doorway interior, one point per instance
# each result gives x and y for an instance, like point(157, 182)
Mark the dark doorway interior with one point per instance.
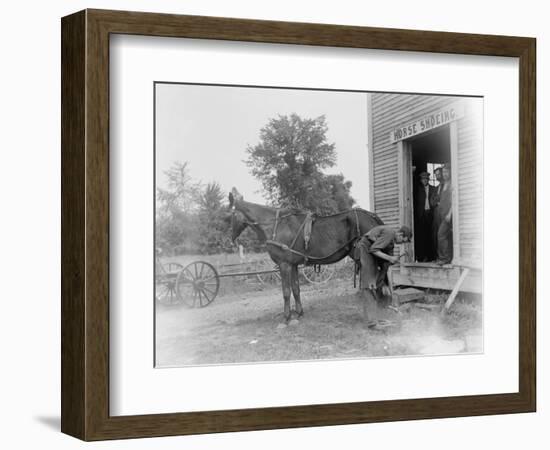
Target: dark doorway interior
point(428, 152)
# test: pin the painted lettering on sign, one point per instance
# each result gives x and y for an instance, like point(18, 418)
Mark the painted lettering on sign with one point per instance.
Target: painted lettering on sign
point(428, 122)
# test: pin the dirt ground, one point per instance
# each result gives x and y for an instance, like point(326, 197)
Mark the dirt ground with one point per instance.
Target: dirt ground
point(245, 325)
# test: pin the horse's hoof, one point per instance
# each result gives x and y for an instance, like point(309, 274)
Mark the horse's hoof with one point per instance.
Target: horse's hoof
point(281, 326)
point(294, 322)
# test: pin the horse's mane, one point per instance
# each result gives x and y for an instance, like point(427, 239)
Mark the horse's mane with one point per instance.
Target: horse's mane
point(322, 216)
point(298, 211)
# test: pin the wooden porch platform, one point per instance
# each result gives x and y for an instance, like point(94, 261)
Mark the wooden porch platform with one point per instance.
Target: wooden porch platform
point(429, 275)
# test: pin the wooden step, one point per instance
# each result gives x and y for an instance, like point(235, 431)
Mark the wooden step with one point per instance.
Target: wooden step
point(405, 295)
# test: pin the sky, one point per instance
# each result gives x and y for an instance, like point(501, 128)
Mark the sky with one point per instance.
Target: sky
point(210, 127)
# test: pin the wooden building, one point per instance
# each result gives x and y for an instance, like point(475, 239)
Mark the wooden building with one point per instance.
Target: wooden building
point(410, 134)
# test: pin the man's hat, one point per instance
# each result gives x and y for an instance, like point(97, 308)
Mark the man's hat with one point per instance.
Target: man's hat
point(424, 175)
point(406, 231)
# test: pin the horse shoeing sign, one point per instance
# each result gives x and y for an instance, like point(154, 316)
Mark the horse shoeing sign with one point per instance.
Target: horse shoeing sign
point(428, 122)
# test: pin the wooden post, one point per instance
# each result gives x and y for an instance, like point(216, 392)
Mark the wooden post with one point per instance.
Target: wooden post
point(405, 175)
point(455, 290)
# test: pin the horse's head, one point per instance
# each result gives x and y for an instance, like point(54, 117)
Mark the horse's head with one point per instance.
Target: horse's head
point(237, 220)
point(238, 225)
point(234, 198)
point(250, 214)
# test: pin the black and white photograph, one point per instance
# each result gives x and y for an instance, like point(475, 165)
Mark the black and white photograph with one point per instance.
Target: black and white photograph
point(303, 224)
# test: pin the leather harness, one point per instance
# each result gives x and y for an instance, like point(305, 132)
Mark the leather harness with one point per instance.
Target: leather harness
point(306, 226)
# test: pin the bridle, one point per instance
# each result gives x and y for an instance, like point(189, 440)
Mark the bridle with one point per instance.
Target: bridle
point(254, 225)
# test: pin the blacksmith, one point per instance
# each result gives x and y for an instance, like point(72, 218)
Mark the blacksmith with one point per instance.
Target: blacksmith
point(376, 254)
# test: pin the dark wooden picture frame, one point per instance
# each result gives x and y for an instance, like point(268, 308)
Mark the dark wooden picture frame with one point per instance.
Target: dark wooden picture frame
point(85, 224)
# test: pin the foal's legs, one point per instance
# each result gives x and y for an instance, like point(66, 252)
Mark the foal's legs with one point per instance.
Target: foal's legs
point(295, 284)
point(286, 275)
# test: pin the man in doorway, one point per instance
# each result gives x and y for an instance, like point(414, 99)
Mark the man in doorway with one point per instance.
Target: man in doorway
point(423, 217)
point(435, 201)
point(443, 213)
point(439, 178)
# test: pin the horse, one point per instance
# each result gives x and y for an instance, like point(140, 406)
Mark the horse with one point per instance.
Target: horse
point(293, 237)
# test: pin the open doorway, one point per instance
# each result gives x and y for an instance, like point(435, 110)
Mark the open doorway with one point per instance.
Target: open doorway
point(429, 152)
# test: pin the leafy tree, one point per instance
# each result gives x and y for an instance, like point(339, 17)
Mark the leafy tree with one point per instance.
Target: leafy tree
point(210, 199)
point(339, 192)
point(214, 233)
point(175, 218)
point(181, 191)
point(191, 217)
point(289, 162)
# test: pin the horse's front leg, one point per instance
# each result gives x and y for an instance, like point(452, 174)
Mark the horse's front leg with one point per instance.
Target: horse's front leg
point(295, 283)
point(286, 274)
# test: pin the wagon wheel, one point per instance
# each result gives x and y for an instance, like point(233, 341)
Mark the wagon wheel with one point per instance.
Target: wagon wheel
point(197, 284)
point(324, 273)
point(165, 283)
point(268, 277)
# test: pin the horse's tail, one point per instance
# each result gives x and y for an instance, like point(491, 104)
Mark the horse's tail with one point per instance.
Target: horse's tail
point(372, 215)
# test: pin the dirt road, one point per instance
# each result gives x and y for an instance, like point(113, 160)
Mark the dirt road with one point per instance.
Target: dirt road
point(244, 327)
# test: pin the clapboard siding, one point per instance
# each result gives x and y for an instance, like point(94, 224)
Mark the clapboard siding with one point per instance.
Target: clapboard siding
point(470, 183)
point(393, 110)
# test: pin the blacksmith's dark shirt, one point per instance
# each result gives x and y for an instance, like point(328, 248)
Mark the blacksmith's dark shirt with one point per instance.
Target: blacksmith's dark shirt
point(382, 238)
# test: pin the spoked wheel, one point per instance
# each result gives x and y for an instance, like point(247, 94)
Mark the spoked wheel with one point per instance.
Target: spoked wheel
point(318, 274)
point(198, 284)
point(271, 274)
point(165, 283)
